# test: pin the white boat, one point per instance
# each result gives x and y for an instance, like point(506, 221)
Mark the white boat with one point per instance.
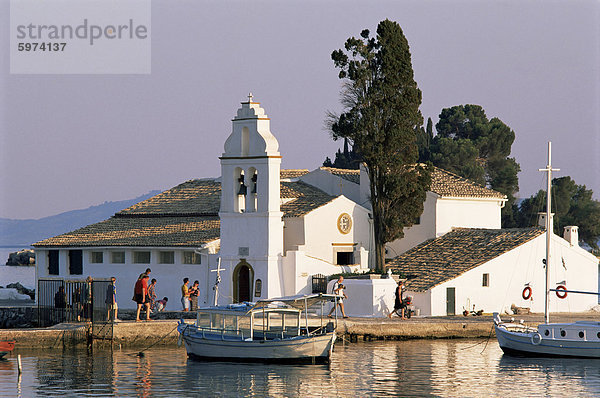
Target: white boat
point(576, 339)
point(266, 331)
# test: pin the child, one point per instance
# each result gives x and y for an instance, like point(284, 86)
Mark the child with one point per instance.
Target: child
point(161, 304)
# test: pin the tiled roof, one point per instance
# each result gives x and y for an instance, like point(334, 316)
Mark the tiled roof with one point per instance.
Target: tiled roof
point(292, 173)
point(141, 231)
point(186, 215)
point(347, 174)
point(445, 183)
point(438, 260)
point(305, 198)
point(194, 197)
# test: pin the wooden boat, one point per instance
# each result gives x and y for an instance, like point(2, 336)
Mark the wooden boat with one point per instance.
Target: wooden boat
point(266, 331)
point(6, 347)
point(576, 339)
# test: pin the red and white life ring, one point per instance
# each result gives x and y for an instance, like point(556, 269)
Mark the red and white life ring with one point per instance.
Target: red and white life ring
point(561, 291)
point(526, 293)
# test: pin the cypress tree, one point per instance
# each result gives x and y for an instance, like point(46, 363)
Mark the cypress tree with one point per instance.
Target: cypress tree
point(381, 119)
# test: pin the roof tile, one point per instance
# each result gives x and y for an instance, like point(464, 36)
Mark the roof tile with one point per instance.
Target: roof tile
point(185, 215)
point(441, 259)
point(445, 183)
point(352, 175)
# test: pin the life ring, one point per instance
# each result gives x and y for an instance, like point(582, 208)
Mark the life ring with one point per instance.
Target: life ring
point(526, 293)
point(536, 338)
point(561, 291)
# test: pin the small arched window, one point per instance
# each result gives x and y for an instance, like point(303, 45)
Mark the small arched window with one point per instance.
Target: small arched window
point(239, 191)
point(257, 288)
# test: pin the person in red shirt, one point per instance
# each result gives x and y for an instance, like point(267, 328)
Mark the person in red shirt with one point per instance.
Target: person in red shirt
point(141, 296)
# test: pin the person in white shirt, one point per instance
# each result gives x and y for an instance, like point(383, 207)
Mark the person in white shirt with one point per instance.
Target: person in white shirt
point(338, 290)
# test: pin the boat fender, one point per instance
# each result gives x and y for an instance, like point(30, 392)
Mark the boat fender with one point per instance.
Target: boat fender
point(536, 338)
point(526, 293)
point(561, 291)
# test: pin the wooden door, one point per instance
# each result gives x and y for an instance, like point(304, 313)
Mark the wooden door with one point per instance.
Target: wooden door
point(450, 301)
point(244, 284)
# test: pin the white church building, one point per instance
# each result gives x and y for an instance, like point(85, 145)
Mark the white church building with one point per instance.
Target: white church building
point(272, 231)
point(456, 255)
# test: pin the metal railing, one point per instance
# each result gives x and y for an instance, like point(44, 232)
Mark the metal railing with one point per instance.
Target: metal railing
point(68, 300)
point(319, 283)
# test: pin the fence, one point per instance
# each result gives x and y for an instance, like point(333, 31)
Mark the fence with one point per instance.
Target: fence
point(102, 311)
point(319, 283)
point(64, 300)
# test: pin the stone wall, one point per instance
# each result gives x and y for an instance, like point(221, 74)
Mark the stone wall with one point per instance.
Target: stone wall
point(18, 317)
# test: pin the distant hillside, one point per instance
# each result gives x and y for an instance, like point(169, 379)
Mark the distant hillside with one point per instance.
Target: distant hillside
point(25, 232)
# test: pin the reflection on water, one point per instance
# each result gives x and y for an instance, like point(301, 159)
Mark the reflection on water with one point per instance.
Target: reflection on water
point(413, 368)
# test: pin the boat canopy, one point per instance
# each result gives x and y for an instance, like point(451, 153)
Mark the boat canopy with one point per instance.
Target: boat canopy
point(298, 302)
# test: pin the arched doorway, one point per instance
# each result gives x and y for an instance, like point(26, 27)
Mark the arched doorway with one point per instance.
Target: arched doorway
point(243, 278)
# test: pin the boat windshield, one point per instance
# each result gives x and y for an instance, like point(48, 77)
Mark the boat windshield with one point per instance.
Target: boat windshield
point(265, 324)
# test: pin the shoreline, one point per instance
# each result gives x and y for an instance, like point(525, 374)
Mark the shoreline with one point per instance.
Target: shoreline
point(163, 331)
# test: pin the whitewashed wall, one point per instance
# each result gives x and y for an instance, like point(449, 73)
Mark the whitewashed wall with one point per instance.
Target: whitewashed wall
point(333, 184)
point(321, 231)
point(298, 268)
point(440, 215)
point(169, 276)
point(508, 275)
point(368, 297)
point(468, 213)
point(293, 233)
point(417, 233)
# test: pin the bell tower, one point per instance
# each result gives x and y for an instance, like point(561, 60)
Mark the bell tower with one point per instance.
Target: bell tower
point(251, 220)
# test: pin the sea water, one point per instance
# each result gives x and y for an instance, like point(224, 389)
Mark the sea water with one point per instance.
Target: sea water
point(445, 368)
point(25, 275)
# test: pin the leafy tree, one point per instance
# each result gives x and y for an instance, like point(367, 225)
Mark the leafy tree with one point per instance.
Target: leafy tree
point(470, 145)
point(458, 156)
point(348, 159)
point(381, 117)
point(572, 204)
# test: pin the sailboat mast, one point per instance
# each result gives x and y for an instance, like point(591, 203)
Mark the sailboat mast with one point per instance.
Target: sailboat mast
point(549, 227)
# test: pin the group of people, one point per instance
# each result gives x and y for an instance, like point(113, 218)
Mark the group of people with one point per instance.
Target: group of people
point(144, 295)
point(81, 300)
point(189, 295)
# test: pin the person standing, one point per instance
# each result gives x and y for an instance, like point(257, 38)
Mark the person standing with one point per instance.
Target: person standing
point(185, 294)
point(338, 290)
point(77, 306)
point(141, 297)
point(111, 300)
point(60, 298)
point(194, 292)
point(87, 299)
point(60, 303)
point(152, 294)
point(398, 301)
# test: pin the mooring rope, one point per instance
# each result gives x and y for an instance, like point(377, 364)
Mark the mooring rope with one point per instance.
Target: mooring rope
point(141, 353)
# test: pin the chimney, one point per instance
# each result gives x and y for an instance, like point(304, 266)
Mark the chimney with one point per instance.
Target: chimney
point(572, 235)
point(542, 220)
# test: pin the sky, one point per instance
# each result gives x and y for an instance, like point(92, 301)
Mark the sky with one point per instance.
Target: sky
point(71, 141)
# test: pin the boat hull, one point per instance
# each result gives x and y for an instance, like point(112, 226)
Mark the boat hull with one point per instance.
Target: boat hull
point(533, 344)
point(6, 347)
point(309, 349)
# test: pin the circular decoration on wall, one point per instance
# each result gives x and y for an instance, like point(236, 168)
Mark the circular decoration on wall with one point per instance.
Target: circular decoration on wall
point(344, 223)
